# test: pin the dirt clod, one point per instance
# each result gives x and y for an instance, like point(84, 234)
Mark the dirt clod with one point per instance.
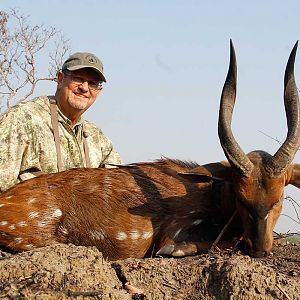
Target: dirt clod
point(70, 272)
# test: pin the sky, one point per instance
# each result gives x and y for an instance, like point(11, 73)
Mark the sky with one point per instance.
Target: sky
point(166, 61)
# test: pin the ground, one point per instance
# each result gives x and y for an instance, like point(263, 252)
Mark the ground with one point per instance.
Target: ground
point(70, 272)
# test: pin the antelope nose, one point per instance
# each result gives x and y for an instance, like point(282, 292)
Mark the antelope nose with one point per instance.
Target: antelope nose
point(257, 253)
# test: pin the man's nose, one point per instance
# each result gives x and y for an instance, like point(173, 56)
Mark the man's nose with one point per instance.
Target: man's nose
point(84, 86)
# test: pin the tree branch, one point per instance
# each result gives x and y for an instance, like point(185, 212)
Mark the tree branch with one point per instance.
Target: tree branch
point(21, 47)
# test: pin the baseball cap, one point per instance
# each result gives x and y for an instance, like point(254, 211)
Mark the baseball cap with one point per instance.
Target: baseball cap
point(80, 60)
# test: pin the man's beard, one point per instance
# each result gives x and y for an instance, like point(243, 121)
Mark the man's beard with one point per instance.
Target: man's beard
point(78, 102)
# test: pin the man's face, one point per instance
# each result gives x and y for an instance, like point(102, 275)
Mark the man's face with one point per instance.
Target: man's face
point(77, 91)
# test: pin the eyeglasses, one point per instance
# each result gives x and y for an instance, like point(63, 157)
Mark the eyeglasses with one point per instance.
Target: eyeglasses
point(77, 80)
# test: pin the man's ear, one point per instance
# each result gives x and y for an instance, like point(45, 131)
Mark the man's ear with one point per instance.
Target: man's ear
point(59, 77)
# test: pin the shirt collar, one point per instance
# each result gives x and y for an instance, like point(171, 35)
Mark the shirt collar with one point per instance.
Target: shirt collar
point(63, 118)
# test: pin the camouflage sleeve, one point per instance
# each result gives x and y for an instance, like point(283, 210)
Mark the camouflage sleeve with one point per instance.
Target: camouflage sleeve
point(101, 143)
point(13, 143)
point(110, 155)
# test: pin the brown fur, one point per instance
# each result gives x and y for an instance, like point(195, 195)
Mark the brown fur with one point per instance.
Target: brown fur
point(131, 211)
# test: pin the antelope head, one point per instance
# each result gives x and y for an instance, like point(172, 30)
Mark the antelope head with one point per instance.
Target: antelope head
point(259, 178)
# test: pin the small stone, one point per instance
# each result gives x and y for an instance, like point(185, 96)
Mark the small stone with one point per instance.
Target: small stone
point(293, 273)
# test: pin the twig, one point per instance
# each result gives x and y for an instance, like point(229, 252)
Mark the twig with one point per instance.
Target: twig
point(282, 291)
point(222, 232)
point(290, 218)
point(284, 235)
point(294, 204)
point(84, 293)
point(169, 286)
point(289, 198)
point(274, 139)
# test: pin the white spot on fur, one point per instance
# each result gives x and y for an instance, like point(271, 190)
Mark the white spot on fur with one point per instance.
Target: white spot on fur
point(177, 233)
point(56, 213)
point(8, 197)
point(29, 246)
point(33, 215)
point(197, 222)
point(12, 227)
point(121, 236)
point(97, 234)
point(42, 223)
point(147, 235)
point(18, 240)
point(31, 200)
point(3, 223)
point(22, 224)
point(192, 211)
point(1, 205)
point(63, 230)
point(134, 234)
point(266, 217)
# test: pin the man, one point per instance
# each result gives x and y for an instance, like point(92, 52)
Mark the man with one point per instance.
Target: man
point(48, 134)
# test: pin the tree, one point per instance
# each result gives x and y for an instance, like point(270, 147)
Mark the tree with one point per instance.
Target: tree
point(21, 47)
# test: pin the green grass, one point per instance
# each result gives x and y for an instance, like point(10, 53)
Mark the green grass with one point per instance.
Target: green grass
point(293, 239)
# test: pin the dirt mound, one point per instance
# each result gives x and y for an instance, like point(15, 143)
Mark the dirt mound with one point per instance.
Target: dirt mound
point(70, 272)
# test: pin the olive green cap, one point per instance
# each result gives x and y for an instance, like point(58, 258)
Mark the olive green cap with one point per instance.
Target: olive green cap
point(80, 60)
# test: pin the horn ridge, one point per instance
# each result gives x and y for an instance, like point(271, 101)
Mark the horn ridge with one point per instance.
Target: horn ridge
point(285, 154)
point(235, 155)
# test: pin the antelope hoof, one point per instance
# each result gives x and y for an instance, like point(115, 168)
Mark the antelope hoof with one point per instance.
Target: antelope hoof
point(178, 250)
point(184, 249)
point(166, 250)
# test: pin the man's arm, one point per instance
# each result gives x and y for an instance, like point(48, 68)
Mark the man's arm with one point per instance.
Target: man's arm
point(102, 151)
point(112, 157)
point(13, 143)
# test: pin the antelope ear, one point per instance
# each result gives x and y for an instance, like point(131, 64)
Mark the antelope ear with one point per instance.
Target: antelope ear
point(220, 171)
point(196, 177)
point(294, 175)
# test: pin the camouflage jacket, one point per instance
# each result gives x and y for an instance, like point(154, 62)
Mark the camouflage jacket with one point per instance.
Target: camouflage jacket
point(27, 143)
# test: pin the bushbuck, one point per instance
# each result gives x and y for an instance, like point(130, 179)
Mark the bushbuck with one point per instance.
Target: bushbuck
point(165, 207)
